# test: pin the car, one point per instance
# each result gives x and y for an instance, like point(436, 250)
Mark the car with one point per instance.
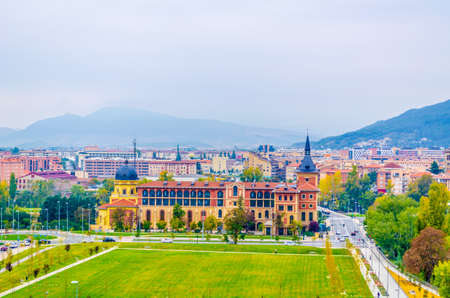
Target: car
point(166, 240)
point(342, 239)
point(13, 245)
point(289, 242)
point(44, 241)
point(353, 234)
point(4, 248)
point(338, 233)
point(109, 239)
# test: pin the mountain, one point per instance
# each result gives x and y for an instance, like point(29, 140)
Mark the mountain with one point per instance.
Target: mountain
point(428, 127)
point(118, 126)
point(4, 131)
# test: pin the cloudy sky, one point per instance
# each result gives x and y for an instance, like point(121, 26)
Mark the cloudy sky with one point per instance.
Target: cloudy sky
point(328, 65)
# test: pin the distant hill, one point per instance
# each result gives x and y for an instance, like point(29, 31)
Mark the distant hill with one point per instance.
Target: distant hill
point(4, 131)
point(428, 126)
point(118, 126)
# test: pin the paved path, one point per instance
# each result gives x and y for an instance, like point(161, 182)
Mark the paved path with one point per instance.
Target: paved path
point(10, 291)
point(27, 258)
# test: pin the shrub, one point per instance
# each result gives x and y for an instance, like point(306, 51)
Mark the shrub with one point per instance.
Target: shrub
point(67, 247)
point(36, 272)
point(96, 248)
point(46, 268)
point(225, 237)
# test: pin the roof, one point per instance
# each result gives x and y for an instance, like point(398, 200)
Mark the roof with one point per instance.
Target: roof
point(52, 175)
point(119, 203)
point(307, 187)
point(126, 173)
point(392, 165)
point(307, 165)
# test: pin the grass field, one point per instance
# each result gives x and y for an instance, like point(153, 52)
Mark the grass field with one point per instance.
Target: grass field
point(25, 236)
point(163, 273)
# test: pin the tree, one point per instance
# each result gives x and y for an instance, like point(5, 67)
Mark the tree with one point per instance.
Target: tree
point(313, 226)
point(441, 278)
point(165, 176)
point(391, 222)
point(178, 212)
point(433, 209)
point(15, 150)
point(420, 187)
point(427, 250)
point(12, 186)
point(161, 225)
point(372, 177)
point(143, 181)
point(235, 221)
point(210, 223)
point(4, 194)
point(434, 168)
point(176, 223)
point(118, 219)
point(146, 225)
point(193, 226)
point(278, 222)
point(102, 195)
point(251, 175)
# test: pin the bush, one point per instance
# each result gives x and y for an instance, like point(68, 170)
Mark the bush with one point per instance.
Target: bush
point(67, 247)
point(46, 268)
point(36, 272)
point(208, 237)
point(225, 238)
point(97, 249)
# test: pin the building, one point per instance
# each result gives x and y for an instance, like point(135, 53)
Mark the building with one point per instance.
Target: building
point(154, 201)
point(254, 160)
point(61, 180)
point(13, 164)
point(106, 168)
point(219, 164)
point(41, 163)
point(95, 152)
point(447, 160)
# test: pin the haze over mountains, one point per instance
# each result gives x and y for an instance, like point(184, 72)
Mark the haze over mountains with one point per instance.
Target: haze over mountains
point(116, 127)
point(113, 127)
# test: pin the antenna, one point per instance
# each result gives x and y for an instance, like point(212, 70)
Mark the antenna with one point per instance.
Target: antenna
point(134, 153)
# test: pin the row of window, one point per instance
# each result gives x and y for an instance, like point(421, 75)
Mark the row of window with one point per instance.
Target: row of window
point(262, 203)
point(181, 202)
point(179, 194)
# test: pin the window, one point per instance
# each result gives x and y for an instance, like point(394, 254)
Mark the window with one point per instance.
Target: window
point(252, 195)
point(291, 219)
point(186, 193)
point(310, 205)
point(280, 198)
point(179, 193)
point(303, 196)
point(289, 208)
point(310, 196)
point(220, 194)
point(161, 215)
point(200, 202)
point(266, 204)
point(132, 191)
point(124, 191)
point(166, 202)
point(180, 202)
point(235, 191)
point(291, 198)
point(200, 194)
point(252, 203)
point(310, 216)
point(259, 214)
point(266, 195)
point(303, 216)
point(144, 201)
point(266, 214)
point(220, 202)
point(272, 196)
point(158, 202)
point(303, 206)
point(166, 193)
point(186, 202)
point(207, 194)
point(207, 202)
point(219, 214)
point(152, 193)
point(234, 203)
point(260, 194)
point(145, 193)
point(259, 203)
point(193, 202)
point(172, 202)
point(152, 202)
point(307, 179)
point(285, 198)
point(281, 207)
point(193, 194)
point(172, 193)
point(158, 193)
point(148, 215)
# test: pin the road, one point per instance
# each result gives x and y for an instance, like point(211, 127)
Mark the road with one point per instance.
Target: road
point(343, 226)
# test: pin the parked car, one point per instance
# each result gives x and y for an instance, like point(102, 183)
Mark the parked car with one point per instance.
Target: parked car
point(109, 239)
point(289, 242)
point(4, 248)
point(44, 241)
point(166, 240)
point(353, 234)
point(14, 245)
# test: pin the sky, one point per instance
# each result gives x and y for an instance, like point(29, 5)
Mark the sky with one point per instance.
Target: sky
point(329, 66)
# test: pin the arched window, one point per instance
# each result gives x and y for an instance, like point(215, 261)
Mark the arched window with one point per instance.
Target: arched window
point(179, 194)
point(220, 194)
point(219, 215)
point(132, 191)
point(260, 194)
point(235, 191)
point(124, 191)
point(266, 214)
point(166, 193)
point(189, 216)
point(203, 213)
point(266, 195)
point(161, 215)
point(152, 193)
point(200, 194)
point(172, 193)
point(193, 194)
point(207, 194)
point(148, 215)
point(186, 193)
point(291, 219)
point(252, 195)
point(145, 193)
point(158, 193)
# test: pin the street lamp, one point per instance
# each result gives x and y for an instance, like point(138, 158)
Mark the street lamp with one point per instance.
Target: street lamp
point(75, 282)
point(59, 216)
point(82, 228)
point(67, 216)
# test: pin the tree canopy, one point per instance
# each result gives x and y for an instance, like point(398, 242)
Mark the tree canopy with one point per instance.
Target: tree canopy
point(251, 175)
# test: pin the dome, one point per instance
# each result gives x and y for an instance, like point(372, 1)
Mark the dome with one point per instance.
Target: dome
point(126, 173)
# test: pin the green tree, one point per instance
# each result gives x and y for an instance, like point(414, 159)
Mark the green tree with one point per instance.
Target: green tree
point(178, 212)
point(161, 224)
point(433, 208)
point(4, 194)
point(251, 175)
point(235, 220)
point(15, 150)
point(210, 223)
point(41, 191)
point(427, 250)
point(146, 225)
point(193, 226)
point(118, 219)
point(12, 186)
point(420, 187)
point(391, 222)
point(434, 168)
point(165, 176)
point(441, 278)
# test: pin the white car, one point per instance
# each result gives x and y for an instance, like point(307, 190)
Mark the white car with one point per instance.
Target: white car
point(166, 240)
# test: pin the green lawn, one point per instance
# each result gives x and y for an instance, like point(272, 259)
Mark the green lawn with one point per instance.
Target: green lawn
point(146, 273)
point(25, 236)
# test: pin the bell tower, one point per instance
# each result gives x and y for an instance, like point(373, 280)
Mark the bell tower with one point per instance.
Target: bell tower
point(307, 171)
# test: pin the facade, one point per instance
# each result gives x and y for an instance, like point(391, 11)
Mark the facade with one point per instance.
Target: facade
point(41, 163)
point(447, 160)
point(154, 201)
point(61, 180)
point(10, 165)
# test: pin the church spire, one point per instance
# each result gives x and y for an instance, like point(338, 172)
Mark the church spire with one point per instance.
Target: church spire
point(307, 146)
point(178, 153)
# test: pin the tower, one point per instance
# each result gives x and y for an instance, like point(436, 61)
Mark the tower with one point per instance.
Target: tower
point(307, 171)
point(178, 153)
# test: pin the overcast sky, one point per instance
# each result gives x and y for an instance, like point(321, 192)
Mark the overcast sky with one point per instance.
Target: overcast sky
point(329, 65)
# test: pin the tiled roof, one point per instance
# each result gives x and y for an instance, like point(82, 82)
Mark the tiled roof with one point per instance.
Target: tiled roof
point(119, 203)
point(52, 175)
point(392, 165)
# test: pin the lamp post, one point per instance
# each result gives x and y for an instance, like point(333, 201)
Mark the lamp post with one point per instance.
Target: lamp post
point(59, 216)
point(75, 282)
point(89, 223)
point(67, 216)
point(1, 220)
point(82, 228)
